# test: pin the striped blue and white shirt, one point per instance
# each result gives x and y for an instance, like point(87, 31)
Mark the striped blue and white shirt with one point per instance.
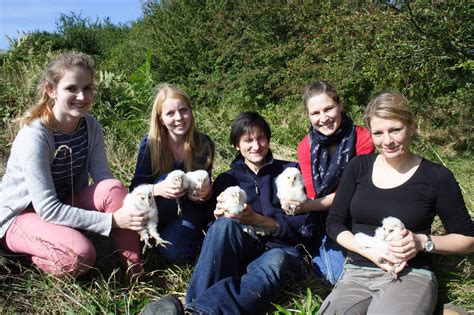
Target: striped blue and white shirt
point(69, 148)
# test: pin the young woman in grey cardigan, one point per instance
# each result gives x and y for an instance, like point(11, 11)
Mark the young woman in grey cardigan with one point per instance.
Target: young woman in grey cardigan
point(45, 197)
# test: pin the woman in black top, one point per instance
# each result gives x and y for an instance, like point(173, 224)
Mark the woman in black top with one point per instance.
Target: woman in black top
point(400, 184)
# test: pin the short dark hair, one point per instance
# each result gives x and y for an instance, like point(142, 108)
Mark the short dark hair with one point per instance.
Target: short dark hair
point(246, 122)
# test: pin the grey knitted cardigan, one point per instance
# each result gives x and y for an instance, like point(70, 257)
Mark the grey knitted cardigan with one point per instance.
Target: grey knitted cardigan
point(28, 179)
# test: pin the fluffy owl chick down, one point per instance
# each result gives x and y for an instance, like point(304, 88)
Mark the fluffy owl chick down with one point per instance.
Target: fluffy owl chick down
point(234, 199)
point(141, 198)
point(196, 180)
point(378, 244)
point(290, 187)
point(178, 179)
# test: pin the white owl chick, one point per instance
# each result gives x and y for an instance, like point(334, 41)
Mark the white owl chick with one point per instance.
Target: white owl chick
point(389, 231)
point(234, 199)
point(196, 180)
point(141, 198)
point(178, 179)
point(290, 187)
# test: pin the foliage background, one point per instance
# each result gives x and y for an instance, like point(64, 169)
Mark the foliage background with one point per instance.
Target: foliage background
point(231, 56)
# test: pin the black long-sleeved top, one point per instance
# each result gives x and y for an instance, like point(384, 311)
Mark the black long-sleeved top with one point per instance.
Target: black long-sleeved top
point(360, 206)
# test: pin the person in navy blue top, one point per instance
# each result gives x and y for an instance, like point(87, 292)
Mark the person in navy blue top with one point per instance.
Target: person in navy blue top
point(173, 143)
point(246, 258)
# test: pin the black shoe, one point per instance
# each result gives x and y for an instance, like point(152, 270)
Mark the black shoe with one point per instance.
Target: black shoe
point(167, 305)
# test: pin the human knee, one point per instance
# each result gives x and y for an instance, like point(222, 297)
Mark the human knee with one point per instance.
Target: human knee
point(279, 256)
point(413, 293)
point(276, 260)
point(109, 195)
point(74, 261)
point(112, 186)
point(224, 226)
point(224, 236)
point(342, 306)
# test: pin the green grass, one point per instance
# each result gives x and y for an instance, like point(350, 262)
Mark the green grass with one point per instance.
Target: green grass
point(24, 289)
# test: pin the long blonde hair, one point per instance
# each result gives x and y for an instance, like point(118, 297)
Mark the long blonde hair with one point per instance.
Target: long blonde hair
point(162, 159)
point(43, 109)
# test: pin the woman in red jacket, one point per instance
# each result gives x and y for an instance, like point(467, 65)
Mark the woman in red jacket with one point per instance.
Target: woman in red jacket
point(323, 154)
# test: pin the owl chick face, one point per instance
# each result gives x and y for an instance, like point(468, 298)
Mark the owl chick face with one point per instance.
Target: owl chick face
point(292, 176)
point(294, 179)
point(235, 197)
point(201, 182)
point(176, 178)
point(144, 199)
point(291, 179)
point(388, 232)
point(392, 228)
point(143, 196)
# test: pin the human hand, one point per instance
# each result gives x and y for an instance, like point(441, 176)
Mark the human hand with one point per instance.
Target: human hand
point(385, 262)
point(219, 213)
point(200, 195)
point(406, 248)
point(167, 189)
point(133, 220)
point(247, 216)
point(220, 210)
point(292, 207)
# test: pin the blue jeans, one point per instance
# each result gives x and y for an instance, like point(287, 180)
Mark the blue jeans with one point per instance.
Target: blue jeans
point(184, 232)
point(328, 260)
point(235, 274)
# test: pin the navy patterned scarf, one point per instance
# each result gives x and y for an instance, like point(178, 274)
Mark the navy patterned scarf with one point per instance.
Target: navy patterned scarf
point(326, 171)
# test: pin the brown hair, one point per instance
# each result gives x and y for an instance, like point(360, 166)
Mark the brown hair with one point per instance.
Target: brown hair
point(320, 87)
point(43, 109)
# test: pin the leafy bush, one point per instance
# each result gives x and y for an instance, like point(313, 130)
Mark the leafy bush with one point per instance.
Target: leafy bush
point(231, 56)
